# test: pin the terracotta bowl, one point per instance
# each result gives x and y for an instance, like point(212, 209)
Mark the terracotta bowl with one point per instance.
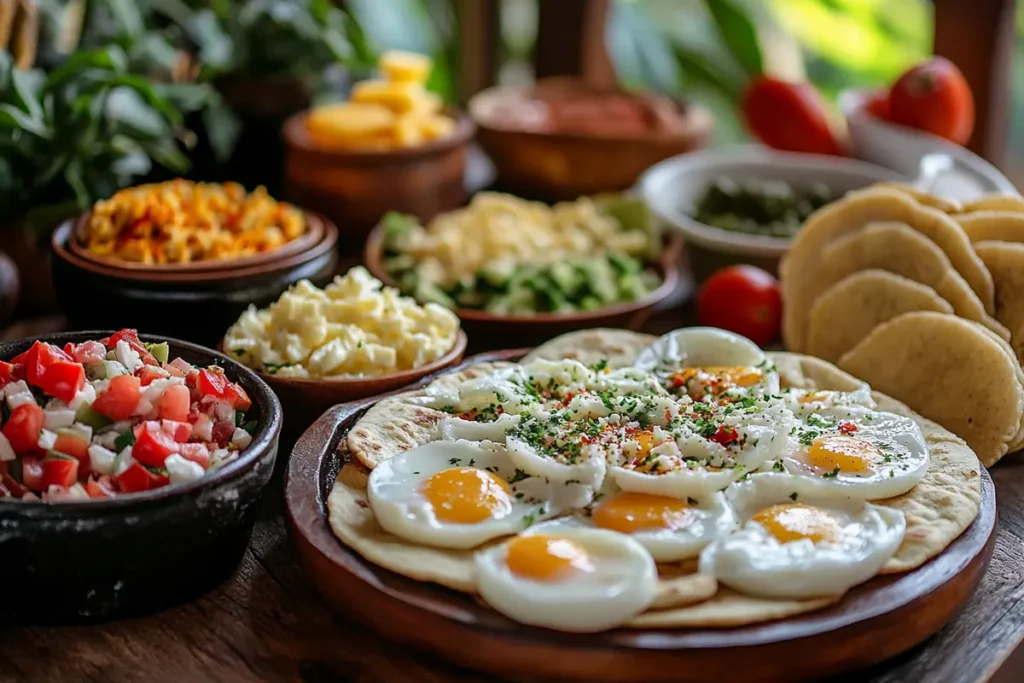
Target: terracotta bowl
point(490, 331)
point(563, 166)
point(356, 188)
point(305, 400)
point(141, 552)
point(197, 306)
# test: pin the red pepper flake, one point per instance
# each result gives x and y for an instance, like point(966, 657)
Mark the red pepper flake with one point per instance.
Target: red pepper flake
point(725, 435)
point(847, 428)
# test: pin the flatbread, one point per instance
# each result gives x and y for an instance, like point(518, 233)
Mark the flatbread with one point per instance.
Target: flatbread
point(847, 311)
point(922, 197)
point(988, 226)
point(728, 608)
point(800, 268)
point(996, 202)
point(619, 347)
point(896, 248)
point(949, 371)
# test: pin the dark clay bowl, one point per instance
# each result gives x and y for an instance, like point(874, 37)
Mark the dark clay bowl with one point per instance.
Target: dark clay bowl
point(490, 330)
point(141, 552)
point(198, 306)
point(356, 188)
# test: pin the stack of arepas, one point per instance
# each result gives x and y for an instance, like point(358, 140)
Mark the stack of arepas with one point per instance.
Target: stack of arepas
point(923, 299)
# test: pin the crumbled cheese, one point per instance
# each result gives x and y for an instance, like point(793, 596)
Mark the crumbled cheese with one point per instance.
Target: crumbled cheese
point(86, 394)
point(101, 460)
point(241, 438)
point(47, 439)
point(124, 461)
point(127, 356)
point(56, 418)
point(181, 470)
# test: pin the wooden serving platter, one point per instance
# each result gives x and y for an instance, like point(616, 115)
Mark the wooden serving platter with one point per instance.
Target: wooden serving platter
point(873, 622)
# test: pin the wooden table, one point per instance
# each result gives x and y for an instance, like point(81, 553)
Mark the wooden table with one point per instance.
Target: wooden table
point(267, 624)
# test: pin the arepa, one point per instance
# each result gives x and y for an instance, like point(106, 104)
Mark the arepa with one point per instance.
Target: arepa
point(995, 202)
point(987, 226)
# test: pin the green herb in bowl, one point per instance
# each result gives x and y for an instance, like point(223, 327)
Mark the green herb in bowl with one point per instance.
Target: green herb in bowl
point(761, 207)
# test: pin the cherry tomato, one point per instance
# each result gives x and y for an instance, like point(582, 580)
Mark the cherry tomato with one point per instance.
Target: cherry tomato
point(742, 299)
point(878, 106)
point(236, 395)
point(23, 427)
point(120, 399)
point(790, 116)
point(934, 97)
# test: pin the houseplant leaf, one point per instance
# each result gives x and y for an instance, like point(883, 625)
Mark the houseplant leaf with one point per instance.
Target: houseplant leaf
point(739, 33)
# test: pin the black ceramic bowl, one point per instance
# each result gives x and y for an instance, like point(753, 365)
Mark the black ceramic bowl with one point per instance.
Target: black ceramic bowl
point(137, 553)
point(197, 306)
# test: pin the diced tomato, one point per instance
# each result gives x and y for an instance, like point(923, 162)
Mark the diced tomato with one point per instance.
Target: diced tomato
point(120, 399)
point(32, 472)
point(86, 352)
point(13, 486)
point(847, 428)
point(212, 383)
point(148, 373)
point(135, 478)
point(10, 372)
point(179, 431)
point(160, 479)
point(173, 370)
point(62, 379)
point(72, 444)
point(237, 396)
point(38, 358)
point(222, 432)
point(59, 472)
point(99, 488)
point(152, 446)
point(725, 435)
point(23, 427)
point(174, 403)
point(131, 338)
point(181, 365)
point(197, 453)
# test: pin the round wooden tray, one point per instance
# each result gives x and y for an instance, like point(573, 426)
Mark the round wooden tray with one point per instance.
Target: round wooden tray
point(877, 620)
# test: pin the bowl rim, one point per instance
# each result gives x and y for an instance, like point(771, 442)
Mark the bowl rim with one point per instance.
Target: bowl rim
point(653, 180)
point(264, 439)
point(297, 138)
point(697, 118)
point(311, 236)
point(327, 243)
point(451, 356)
point(665, 265)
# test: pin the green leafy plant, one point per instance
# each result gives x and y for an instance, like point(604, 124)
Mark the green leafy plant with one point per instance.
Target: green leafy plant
point(83, 130)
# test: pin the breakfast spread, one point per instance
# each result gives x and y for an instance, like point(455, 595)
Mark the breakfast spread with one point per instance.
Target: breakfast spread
point(769, 207)
point(180, 221)
point(918, 296)
point(507, 255)
point(615, 479)
point(395, 112)
point(112, 416)
point(354, 327)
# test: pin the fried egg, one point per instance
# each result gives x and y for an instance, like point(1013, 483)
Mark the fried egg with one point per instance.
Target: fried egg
point(572, 579)
point(670, 529)
point(701, 361)
point(793, 546)
point(864, 455)
point(459, 495)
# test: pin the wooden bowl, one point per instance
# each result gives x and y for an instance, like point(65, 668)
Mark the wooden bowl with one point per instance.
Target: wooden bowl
point(879, 619)
point(313, 236)
point(141, 552)
point(490, 330)
point(307, 399)
point(356, 188)
point(197, 305)
point(564, 166)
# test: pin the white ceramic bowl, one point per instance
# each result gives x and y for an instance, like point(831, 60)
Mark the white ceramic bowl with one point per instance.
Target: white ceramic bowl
point(901, 149)
point(673, 187)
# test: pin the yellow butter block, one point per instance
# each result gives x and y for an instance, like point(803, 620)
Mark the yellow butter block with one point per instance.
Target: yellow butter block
point(405, 67)
point(350, 120)
point(398, 97)
point(427, 103)
point(434, 127)
point(408, 132)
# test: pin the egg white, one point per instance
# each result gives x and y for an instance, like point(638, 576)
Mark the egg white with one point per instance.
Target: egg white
point(401, 509)
point(751, 560)
point(622, 586)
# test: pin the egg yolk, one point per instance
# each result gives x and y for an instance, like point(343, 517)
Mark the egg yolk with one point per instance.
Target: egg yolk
point(717, 378)
point(543, 557)
point(465, 495)
point(631, 512)
point(793, 521)
point(813, 397)
point(847, 453)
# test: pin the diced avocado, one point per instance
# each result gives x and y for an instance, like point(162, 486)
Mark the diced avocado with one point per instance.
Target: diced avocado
point(160, 351)
point(567, 278)
point(124, 440)
point(429, 293)
point(105, 369)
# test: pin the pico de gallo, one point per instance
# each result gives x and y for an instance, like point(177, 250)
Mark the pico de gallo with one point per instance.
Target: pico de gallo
point(112, 416)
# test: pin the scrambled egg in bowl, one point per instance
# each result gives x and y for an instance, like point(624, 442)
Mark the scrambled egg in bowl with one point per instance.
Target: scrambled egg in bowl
point(353, 328)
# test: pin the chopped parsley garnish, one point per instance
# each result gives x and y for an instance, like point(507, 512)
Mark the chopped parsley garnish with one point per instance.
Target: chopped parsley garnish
point(792, 496)
point(599, 365)
point(833, 474)
point(518, 476)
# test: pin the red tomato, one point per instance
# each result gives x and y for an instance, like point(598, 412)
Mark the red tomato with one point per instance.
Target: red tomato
point(120, 399)
point(742, 299)
point(236, 395)
point(99, 488)
point(73, 445)
point(790, 116)
point(725, 435)
point(179, 431)
point(878, 105)
point(934, 97)
point(62, 379)
point(222, 431)
point(197, 453)
point(131, 338)
point(160, 479)
point(148, 373)
point(39, 357)
point(174, 403)
point(32, 472)
point(10, 372)
point(13, 486)
point(23, 427)
point(152, 446)
point(135, 478)
point(59, 472)
point(211, 383)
